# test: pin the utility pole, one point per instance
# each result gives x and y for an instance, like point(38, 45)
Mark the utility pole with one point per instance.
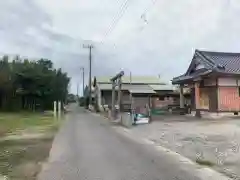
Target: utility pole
point(77, 89)
point(90, 47)
point(83, 88)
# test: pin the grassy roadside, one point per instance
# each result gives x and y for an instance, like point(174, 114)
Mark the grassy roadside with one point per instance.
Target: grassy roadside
point(25, 142)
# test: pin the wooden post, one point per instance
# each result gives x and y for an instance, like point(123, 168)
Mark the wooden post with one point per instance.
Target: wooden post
point(181, 97)
point(197, 95)
point(197, 98)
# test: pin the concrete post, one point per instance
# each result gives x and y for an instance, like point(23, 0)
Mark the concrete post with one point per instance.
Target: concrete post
point(59, 109)
point(113, 99)
point(119, 94)
point(55, 109)
point(181, 97)
point(99, 96)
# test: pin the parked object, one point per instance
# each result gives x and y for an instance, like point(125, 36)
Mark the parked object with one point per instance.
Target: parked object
point(141, 119)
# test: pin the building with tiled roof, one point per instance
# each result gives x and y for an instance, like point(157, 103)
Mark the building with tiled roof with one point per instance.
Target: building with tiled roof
point(140, 87)
point(214, 79)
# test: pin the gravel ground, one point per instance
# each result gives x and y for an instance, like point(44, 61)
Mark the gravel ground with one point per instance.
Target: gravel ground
point(213, 141)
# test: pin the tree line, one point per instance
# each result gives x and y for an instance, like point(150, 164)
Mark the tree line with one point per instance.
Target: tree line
point(30, 84)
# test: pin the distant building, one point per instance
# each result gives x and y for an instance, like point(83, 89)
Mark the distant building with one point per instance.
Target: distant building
point(144, 90)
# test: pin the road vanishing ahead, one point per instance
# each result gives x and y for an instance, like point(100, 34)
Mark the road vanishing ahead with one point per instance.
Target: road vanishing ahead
point(88, 148)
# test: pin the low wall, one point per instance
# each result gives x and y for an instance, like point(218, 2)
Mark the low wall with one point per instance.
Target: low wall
point(126, 120)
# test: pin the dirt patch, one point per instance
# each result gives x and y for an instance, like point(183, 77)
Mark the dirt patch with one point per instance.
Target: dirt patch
point(25, 142)
point(21, 159)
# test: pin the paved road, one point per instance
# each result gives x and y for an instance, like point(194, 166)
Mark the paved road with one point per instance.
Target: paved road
point(88, 148)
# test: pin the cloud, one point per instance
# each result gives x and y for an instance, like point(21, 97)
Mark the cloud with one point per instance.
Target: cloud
point(148, 39)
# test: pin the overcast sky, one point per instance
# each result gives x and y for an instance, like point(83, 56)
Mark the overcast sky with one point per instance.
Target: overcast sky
point(152, 37)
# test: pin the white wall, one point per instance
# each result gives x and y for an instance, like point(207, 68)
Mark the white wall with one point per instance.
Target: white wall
point(227, 82)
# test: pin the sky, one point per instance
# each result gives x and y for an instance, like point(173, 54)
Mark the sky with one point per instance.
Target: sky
point(144, 37)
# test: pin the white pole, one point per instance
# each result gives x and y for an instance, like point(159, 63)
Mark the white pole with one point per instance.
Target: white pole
point(131, 99)
point(55, 108)
point(131, 87)
point(59, 109)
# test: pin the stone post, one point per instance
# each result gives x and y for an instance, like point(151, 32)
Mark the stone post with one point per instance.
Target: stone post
point(55, 109)
point(59, 109)
point(99, 96)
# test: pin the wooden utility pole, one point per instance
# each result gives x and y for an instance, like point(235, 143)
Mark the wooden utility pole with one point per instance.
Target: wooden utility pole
point(77, 89)
point(83, 88)
point(90, 47)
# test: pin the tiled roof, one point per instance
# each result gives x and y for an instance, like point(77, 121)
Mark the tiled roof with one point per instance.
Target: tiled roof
point(184, 77)
point(220, 62)
point(133, 88)
point(141, 89)
point(159, 87)
point(134, 80)
point(223, 61)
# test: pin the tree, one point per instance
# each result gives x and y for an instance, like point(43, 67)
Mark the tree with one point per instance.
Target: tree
point(31, 85)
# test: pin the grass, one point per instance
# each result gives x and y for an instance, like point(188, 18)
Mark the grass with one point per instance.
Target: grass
point(21, 158)
point(10, 123)
point(205, 162)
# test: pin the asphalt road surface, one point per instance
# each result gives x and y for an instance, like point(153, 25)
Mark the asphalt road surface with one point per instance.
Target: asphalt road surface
point(88, 148)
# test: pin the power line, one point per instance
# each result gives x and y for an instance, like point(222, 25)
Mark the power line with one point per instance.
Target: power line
point(123, 9)
point(143, 15)
point(116, 20)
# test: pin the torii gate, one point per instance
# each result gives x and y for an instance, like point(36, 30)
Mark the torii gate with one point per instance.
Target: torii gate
point(116, 81)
